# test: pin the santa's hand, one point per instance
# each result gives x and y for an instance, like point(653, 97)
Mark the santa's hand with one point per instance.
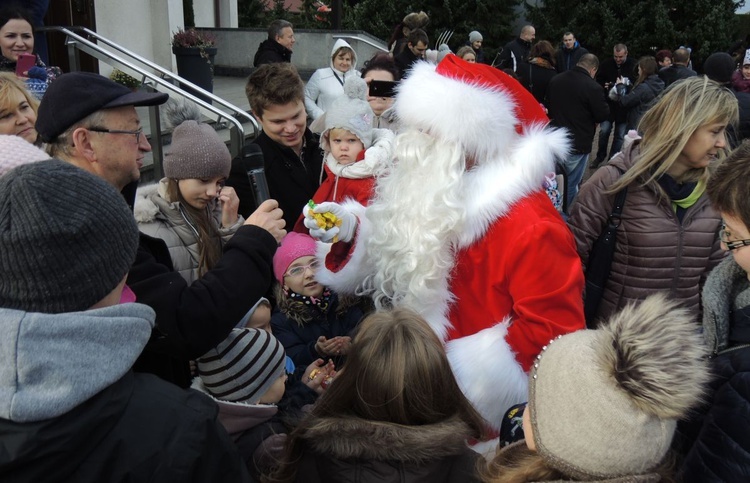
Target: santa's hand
point(343, 231)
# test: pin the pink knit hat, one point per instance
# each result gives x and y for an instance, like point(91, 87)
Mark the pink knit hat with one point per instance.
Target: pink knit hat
point(293, 246)
point(15, 151)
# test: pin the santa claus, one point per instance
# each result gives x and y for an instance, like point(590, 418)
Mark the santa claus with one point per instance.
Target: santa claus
point(461, 230)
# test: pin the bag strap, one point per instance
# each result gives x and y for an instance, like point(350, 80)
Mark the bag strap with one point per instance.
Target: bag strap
point(616, 215)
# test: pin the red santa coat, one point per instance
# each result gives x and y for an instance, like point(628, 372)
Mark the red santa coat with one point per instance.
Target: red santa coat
point(515, 280)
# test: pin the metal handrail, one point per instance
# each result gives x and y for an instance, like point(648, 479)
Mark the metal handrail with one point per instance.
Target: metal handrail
point(361, 39)
point(153, 76)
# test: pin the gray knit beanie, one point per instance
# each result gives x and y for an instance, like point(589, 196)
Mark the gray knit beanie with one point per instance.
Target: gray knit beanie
point(243, 366)
point(67, 238)
point(604, 403)
point(196, 152)
point(474, 36)
point(350, 111)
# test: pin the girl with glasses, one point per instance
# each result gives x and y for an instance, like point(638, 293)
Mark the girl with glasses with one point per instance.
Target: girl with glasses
point(312, 321)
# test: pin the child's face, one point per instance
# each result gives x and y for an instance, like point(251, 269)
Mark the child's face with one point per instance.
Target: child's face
point(303, 281)
point(528, 433)
point(198, 192)
point(275, 392)
point(735, 230)
point(345, 146)
point(746, 71)
point(261, 318)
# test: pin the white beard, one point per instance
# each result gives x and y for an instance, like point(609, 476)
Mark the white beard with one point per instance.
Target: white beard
point(419, 213)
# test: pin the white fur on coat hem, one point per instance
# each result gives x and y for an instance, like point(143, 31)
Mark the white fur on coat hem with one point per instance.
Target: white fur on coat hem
point(488, 373)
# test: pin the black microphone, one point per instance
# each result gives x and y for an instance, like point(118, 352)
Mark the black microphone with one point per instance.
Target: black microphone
point(252, 161)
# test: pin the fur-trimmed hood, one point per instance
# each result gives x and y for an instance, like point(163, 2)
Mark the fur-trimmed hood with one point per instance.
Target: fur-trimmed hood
point(348, 437)
point(717, 303)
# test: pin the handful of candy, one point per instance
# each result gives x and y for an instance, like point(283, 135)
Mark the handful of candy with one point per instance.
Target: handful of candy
point(326, 220)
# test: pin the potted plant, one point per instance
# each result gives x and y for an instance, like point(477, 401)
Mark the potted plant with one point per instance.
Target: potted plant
point(195, 51)
point(124, 79)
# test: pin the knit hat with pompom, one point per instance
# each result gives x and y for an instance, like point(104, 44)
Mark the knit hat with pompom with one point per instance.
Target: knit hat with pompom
point(604, 403)
point(350, 111)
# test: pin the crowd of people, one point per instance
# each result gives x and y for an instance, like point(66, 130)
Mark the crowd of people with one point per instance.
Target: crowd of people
point(410, 304)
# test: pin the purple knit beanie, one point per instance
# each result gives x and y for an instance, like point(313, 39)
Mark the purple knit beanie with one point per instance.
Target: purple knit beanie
point(293, 246)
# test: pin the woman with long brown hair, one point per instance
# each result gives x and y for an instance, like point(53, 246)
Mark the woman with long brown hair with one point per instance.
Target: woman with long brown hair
point(394, 414)
point(647, 87)
point(191, 209)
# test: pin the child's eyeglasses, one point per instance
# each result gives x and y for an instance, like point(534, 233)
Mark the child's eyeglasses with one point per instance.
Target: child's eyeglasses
point(300, 270)
point(731, 245)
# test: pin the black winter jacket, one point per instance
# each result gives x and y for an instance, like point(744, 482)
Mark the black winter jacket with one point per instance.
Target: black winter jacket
point(576, 102)
point(674, 73)
point(514, 54)
point(138, 429)
point(640, 99)
point(568, 58)
point(291, 182)
point(270, 51)
point(607, 75)
point(299, 340)
point(191, 319)
point(718, 436)
point(355, 450)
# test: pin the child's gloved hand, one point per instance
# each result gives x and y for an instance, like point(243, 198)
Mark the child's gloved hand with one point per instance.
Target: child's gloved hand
point(341, 226)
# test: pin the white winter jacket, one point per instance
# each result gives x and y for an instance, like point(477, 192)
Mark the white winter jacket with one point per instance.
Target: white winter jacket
point(327, 84)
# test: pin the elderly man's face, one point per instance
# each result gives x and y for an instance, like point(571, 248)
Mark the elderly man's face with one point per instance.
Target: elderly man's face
point(119, 156)
point(286, 38)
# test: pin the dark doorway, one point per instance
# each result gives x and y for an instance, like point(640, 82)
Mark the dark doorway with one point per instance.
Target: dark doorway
point(78, 13)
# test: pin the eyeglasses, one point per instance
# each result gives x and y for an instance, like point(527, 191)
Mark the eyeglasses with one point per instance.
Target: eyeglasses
point(734, 244)
point(300, 270)
point(137, 133)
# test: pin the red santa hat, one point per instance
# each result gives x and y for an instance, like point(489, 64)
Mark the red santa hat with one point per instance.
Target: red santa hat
point(475, 105)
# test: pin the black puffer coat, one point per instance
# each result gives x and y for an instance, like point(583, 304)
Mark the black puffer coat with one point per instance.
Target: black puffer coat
point(718, 437)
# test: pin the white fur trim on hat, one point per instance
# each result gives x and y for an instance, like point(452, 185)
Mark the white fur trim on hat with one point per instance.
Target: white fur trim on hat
point(479, 118)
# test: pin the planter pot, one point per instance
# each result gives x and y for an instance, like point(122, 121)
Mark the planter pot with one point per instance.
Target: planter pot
point(196, 68)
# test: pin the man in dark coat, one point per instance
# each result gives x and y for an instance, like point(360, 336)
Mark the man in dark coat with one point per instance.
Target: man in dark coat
point(719, 67)
point(620, 65)
point(91, 122)
point(679, 69)
point(576, 102)
point(516, 52)
point(71, 408)
point(291, 153)
point(570, 53)
point(414, 51)
point(278, 46)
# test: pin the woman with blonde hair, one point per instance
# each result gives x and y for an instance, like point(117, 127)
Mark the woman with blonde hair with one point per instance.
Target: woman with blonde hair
point(394, 414)
point(668, 232)
point(18, 108)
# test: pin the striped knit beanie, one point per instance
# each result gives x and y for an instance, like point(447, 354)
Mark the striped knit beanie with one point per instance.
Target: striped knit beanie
point(243, 367)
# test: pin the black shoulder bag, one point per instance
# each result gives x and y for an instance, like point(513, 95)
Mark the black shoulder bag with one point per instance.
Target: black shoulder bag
point(600, 261)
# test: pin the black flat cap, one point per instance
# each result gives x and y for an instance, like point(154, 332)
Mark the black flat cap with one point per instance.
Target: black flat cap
point(75, 95)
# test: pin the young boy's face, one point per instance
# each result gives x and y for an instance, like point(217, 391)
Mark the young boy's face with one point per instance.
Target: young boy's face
point(345, 146)
point(261, 318)
point(275, 392)
point(746, 71)
point(735, 230)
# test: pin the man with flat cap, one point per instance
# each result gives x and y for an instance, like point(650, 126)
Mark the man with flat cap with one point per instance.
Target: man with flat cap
point(91, 122)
